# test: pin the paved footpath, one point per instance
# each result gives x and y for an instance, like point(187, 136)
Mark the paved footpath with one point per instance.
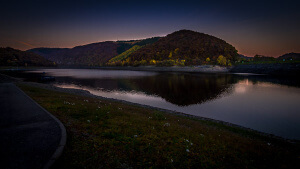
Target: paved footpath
point(30, 137)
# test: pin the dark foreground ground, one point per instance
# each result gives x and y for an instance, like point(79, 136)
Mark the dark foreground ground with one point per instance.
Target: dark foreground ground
point(29, 135)
point(104, 133)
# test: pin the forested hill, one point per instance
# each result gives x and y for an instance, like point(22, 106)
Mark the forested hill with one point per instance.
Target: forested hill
point(14, 57)
point(290, 56)
point(91, 54)
point(182, 47)
point(95, 54)
point(193, 47)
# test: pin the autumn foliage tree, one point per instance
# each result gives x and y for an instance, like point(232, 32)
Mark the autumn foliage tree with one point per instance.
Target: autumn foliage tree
point(221, 60)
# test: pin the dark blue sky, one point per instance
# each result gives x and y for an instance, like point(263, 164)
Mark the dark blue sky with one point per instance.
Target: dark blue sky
point(253, 27)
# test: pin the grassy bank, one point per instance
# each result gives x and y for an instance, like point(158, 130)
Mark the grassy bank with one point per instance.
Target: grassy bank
point(107, 134)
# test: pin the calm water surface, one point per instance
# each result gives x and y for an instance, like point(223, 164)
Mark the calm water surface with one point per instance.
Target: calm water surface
point(259, 102)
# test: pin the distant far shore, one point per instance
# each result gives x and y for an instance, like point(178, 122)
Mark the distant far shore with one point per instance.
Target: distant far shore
point(274, 69)
point(198, 69)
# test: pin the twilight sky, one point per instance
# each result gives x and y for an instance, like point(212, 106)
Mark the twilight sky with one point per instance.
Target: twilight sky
point(254, 27)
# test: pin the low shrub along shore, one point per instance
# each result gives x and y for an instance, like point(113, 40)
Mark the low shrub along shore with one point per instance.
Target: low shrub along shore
point(111, 134)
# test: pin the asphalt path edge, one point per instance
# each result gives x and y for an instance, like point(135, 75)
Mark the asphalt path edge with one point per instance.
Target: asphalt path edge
point(59, 150)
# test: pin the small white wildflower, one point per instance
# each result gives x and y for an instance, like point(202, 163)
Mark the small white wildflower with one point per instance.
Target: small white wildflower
point(135, 135)
point(191, 144)
point(88, 121)
point(269, 144)
point(201, 135)
point(187, 150)
point(153, 128)
point(98, 107)
point(167, 124)
point(171, 160)
point(108, 112)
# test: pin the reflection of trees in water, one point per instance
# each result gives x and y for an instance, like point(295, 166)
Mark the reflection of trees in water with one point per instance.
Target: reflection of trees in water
point(185, 89)
point(179, 89)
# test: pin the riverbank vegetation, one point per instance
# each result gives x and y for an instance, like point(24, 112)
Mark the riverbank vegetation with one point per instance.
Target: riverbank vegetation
point(110, 134)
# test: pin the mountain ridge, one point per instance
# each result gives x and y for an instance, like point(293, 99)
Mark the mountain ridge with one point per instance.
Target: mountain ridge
point(14, 57)
point(94, 54)
point(292, 55)
point(183, 47)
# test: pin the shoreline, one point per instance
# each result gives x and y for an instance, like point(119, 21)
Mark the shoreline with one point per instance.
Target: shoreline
point(273, 69)
point(86, 93)
point(187, 69)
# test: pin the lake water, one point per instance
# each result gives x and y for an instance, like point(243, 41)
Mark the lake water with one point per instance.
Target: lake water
point(258, 102)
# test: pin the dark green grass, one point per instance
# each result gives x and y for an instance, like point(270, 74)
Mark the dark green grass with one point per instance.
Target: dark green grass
point(107, 134)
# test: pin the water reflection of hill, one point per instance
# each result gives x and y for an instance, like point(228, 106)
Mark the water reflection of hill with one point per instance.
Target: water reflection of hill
point(182, 89)
point(179, 89)
point(185, 89)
